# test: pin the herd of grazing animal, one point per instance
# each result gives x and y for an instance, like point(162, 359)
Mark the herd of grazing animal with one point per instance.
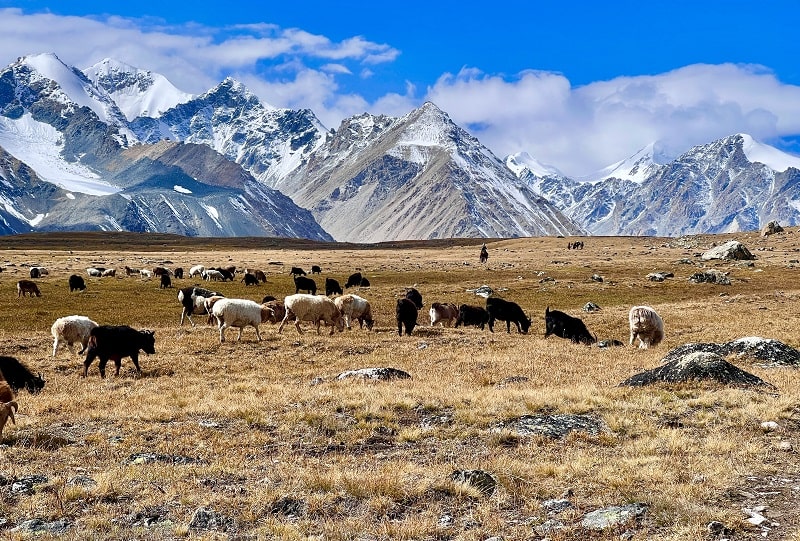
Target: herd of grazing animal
point(110, 342)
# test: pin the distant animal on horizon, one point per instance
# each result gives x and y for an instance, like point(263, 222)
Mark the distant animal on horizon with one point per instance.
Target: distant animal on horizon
point(316, 269)
point(297, 271)
point(646, 325)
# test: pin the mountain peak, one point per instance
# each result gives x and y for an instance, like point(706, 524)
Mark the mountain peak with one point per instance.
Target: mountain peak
point(757, 152)
point(522, 161)
point(137, 92)
point(638, 167)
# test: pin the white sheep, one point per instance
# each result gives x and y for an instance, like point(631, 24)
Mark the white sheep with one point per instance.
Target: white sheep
point(314, 308)
point(213, 275)
point(355, 307)
point(239, 313)
point(197, 270)
point(71, 329)
point(145, 273)
point(647, 325)
point(91, 271)
point(109, 272)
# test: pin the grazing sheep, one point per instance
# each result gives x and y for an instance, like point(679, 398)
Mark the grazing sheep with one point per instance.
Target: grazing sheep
point(166, 281)
point(239, 313)
point(94, 272)
point(355, 307)
point(444, 313)
point(213, 275)
point(647, 325)
point(178, 273)
point(161, 271)
point(260, 276)
point(131, 272)
point(316, 269)
point(249, 279)
point(297, 271)
point(305, 307)
point(26, 286)
point(193, 300)
point(71, 329)
point(109, 272)
point(197, 270)
point(145, 273)
point(36, 272)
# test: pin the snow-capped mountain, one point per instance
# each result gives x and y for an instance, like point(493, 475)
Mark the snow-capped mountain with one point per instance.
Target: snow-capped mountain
point(267, 141)
point(135, 91)
point(729, 185)
point(642, 165)
point(419, 176)
point(67, 140)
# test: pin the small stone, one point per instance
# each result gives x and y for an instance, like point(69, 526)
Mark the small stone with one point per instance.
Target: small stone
point(785, 446)
point(769, 426)
point(479, 479)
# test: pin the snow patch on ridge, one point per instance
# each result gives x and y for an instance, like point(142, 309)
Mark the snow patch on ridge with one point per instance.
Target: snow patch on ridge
point(39, 145)
point(769, 156)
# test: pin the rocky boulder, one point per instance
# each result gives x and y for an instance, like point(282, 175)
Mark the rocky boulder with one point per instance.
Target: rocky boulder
point(554, 426)
point(733, 249)
point(771, 228)
point(697, 366)
point(382, 374)
point(710, 276)
point(766, 352)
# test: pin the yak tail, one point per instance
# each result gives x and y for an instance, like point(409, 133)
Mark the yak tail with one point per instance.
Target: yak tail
point(92, 343)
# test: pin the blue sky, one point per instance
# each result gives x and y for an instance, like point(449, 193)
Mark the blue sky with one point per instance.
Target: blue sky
point(577, 85)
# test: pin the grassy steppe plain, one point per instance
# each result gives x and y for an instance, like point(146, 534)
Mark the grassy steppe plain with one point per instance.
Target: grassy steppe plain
point(282, 455)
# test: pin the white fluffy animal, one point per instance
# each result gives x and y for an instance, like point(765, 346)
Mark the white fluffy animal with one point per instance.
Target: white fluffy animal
point(109, 272)
point(314, 308)
point(647, 325)
point(70, 330)
point(91, 271)
point(213, 275)
point(355, 307)
point(197, 270)
point(444, 313)
point(145, 273)
point(239, 313)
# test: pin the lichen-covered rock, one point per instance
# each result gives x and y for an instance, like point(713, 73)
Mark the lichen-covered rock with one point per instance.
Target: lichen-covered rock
point(208, 519)
point(380, 373)
point(767, 351)
point(733, 249)
point(555, 426)
point(590, 307)
point(616, 515)
point(771, 228)
point(711, 276)
point(482, 480)
point(696, 366)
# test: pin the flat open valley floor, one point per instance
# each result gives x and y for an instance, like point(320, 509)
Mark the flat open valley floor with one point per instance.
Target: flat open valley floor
point(260, 440)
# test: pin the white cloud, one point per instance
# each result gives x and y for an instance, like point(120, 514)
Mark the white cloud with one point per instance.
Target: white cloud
point(582, 129)
point(577, 129)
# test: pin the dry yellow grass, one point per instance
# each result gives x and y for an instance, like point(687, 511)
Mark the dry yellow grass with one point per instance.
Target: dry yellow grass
point(286, 457)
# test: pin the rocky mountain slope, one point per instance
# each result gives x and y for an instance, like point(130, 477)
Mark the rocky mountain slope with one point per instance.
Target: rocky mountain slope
point(71, 161)
point(733, 184)
point(419, 176)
